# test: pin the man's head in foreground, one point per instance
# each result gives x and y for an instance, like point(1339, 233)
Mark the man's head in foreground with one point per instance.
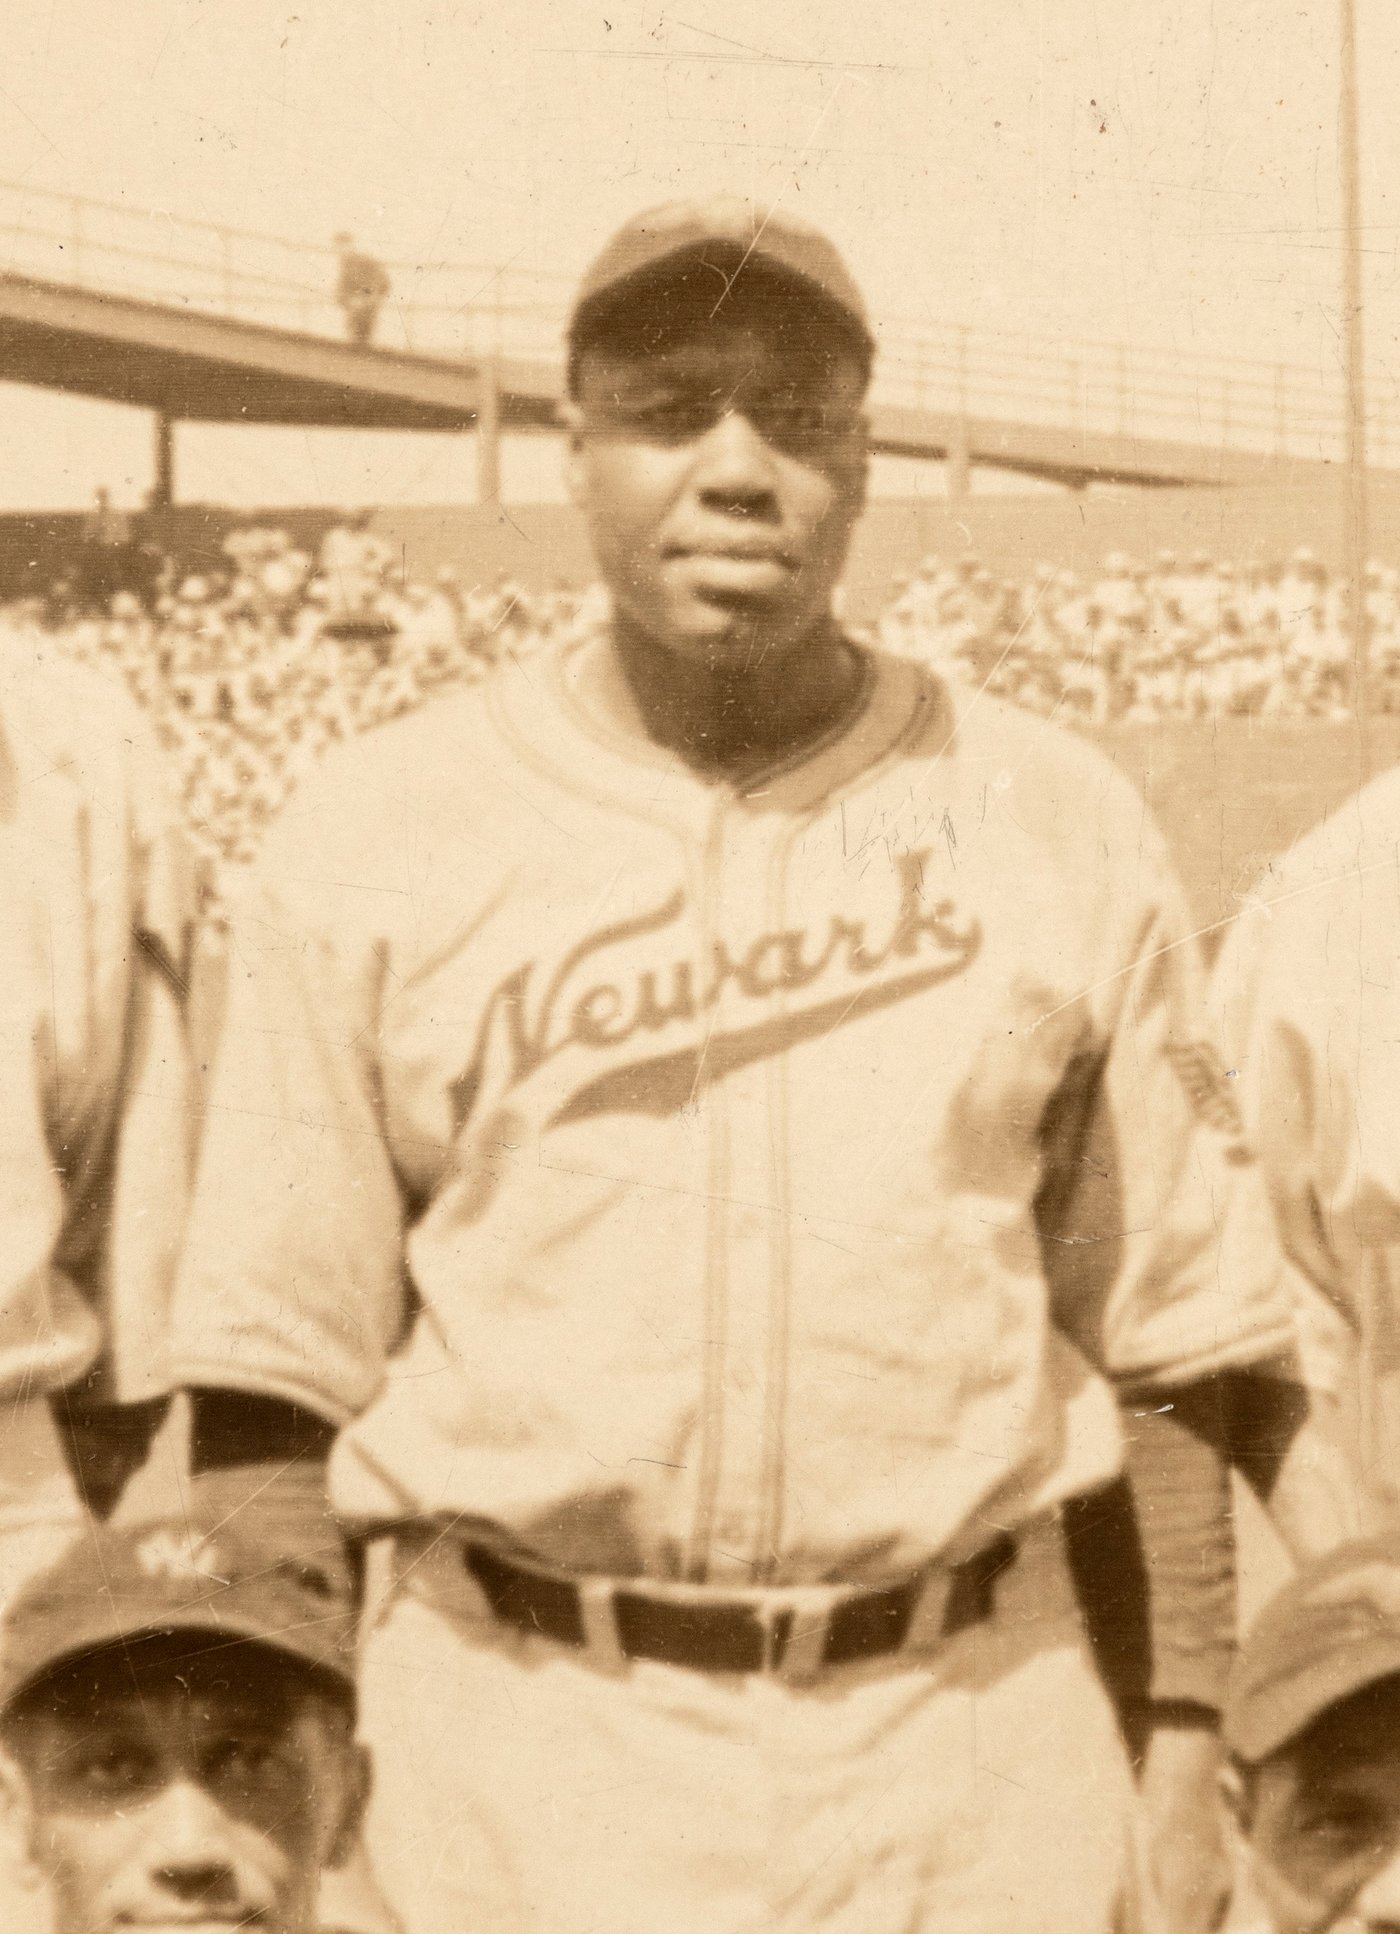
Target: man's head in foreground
point(718, 363)
point(1313, 1727)
point(177, 1732)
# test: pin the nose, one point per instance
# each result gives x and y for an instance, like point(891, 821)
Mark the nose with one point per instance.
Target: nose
point(191, 1853)
point(735, 469)
point(1377, 1906)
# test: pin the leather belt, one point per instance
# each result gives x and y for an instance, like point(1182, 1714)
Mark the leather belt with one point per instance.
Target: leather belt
point(760, 1632)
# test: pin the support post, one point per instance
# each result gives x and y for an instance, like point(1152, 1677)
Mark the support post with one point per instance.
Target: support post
point(1355, 504)
point(163, 490)
point(960, 441)
point(488, 432)
point(959, 459)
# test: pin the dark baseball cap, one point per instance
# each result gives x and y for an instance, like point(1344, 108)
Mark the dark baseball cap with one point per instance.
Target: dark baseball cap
point(115, 1586)
point(1332, 1630)
point(731, 234)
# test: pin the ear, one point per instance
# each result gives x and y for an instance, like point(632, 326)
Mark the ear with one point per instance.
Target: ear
point(358, 1781)
point(18, 1825)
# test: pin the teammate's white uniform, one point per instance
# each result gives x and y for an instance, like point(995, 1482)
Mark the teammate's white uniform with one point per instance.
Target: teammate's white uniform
point(93, 1104)
point(93, 1108)
point(1308, 992)
point(716, 1124)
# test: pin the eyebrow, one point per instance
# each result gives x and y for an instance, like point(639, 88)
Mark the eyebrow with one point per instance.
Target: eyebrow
point(122, 1707)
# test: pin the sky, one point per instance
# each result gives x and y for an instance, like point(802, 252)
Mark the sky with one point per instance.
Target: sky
point(1161, 173)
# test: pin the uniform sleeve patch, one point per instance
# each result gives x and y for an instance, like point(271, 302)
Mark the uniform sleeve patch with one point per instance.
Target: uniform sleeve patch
point(1207, 1088)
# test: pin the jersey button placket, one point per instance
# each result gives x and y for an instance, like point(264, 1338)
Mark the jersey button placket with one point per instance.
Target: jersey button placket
point(744, 1221)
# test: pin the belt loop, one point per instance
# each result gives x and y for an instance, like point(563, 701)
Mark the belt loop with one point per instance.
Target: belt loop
point(600, 1634)
point(804, 1647)
point(381, 1582)
point(925, 1631)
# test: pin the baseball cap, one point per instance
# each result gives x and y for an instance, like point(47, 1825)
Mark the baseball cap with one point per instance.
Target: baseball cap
point(116, 1585)
point(725, 232)
point(1332, 1630)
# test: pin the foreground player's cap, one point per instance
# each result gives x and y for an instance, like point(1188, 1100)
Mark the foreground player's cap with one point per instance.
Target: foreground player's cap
point(115, 1586)
point(1332, 1630)
point(732, 235)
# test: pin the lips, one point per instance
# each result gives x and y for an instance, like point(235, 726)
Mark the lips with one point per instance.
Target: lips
point(734, 552)
point(734, 573)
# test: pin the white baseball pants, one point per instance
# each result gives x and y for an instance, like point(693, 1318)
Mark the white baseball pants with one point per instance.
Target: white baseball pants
point(523, 1788)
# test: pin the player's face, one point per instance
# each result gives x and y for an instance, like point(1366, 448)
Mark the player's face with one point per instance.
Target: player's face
point(1324, 1837)
point(204, 1809)
point(721, 479)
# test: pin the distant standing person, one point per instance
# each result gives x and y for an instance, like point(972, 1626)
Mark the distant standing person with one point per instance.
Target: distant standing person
point(106, 550)
point(360, 289)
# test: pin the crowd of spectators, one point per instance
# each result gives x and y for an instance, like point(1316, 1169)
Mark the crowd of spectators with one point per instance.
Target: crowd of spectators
point(1194, 640)
point(252, 668)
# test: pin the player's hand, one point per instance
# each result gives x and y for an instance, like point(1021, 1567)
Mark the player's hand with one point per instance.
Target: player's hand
point(1181, 1849)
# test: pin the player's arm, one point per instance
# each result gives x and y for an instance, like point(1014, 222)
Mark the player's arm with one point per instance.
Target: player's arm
point(133, 1190)
point(55, 1328)
point(290, 1291)
point(1159, 1245)
point(1159, 1248)
point(1292, 1034)
point(93, 1068)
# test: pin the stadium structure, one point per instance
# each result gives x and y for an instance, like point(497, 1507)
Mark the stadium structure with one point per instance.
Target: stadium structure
point(200, 323)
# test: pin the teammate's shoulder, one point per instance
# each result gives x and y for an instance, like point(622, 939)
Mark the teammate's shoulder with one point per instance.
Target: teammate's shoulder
point(390, 807)
point(1358, 841)
point(1317, 937)
point(421, 749)
point(65, 723)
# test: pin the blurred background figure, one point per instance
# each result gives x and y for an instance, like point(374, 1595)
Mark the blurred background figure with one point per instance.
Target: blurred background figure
point(361, 286)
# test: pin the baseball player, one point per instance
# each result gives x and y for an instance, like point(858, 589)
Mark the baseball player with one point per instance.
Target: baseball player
point(1309, 1012)
point(93, 1125)
point(701, 1124)
point(177, 1714)
point(1313, 1730)
point(93, 1115)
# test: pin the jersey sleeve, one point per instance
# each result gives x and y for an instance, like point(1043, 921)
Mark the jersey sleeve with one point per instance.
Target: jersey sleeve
point(1306, 990)
point(49, 1330)
point(291, 1283)
point(142, 1193)
point(92, 1060)
point(1154, 1222)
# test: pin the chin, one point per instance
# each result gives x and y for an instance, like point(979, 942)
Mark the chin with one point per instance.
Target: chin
point(729, 639)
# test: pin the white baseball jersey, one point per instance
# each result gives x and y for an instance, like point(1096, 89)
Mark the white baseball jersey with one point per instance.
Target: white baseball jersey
point(93, 1116)
point(756, 1180)
point(1308, 991)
